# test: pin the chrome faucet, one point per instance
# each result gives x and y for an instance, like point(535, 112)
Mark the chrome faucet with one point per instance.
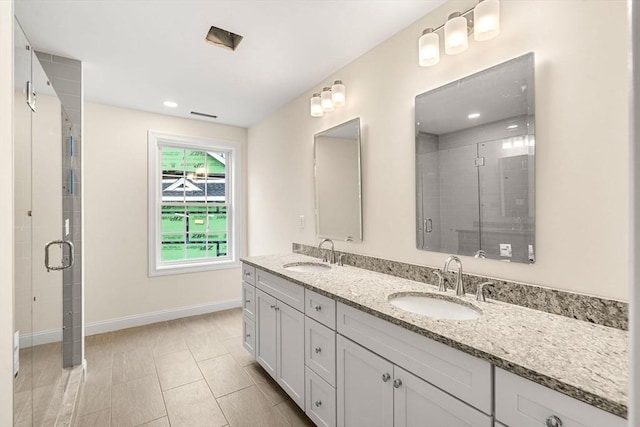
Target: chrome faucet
point(459, 288)
point(324, 255)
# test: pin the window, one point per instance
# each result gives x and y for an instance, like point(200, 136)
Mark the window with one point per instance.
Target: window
point(194, 204)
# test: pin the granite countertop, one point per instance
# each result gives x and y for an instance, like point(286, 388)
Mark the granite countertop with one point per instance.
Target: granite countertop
point(582, 360)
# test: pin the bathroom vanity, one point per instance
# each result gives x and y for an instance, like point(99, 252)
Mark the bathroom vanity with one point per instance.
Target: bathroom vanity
point(332, 340)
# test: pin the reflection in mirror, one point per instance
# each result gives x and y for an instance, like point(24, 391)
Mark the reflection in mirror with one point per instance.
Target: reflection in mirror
point(475, 164)
point(337, 179)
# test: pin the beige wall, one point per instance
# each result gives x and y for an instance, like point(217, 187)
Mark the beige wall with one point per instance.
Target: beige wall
point(581, 140)
point(115, 212)
point(6, 213)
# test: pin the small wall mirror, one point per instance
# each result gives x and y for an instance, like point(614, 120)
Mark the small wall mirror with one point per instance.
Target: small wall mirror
point(337, 178)
point(475, 157)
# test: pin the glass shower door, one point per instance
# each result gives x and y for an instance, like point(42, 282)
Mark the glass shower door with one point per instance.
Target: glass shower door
point(40, 380)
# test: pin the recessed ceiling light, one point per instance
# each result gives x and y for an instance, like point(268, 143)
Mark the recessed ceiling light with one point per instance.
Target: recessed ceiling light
point(474, 115)
point(170, 104)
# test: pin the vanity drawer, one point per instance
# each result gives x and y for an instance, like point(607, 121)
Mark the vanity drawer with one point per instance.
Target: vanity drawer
point(320, 402)
point(524, 403)
point(320, 308)
point(279, 288)
point(320, 350)
point(462, 375)
point(249, 335)
point(248, 300)
point(249, 274)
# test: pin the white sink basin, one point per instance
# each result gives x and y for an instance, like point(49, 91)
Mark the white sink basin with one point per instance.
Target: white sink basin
point(307, 267)
point(434, 306)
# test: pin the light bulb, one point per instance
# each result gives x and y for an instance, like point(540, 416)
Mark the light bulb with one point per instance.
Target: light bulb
point(486, 16)
point(327, 103)
point(338, 94)
point(428, 48)
point(455, 34)
point(316, 106)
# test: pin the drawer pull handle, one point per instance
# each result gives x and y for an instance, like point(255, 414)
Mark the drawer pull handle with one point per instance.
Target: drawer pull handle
point(246, 273)
point(318, 350)
point(397, 383)
point(554, 421)
point(386, 377)
point(248, 335)
point(318, 403)
point(318, 308)
point(247, 301)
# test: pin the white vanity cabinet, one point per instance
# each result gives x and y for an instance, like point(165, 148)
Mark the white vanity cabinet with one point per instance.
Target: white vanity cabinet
point(523, 403)
point(279, 346)
point(399, 378)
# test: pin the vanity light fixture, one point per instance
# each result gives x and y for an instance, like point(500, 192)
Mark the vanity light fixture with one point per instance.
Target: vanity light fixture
point(327, 102)
point(329, 99)
point(483, 21)
point(316, 106)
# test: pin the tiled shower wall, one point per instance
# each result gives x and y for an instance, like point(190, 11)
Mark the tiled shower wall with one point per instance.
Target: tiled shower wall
point(66, 75)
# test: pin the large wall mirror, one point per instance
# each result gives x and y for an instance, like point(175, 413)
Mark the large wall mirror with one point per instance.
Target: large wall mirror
point(475, 148)
point(337, 178)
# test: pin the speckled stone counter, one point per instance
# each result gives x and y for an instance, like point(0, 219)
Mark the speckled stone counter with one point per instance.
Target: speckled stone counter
point(586, 361)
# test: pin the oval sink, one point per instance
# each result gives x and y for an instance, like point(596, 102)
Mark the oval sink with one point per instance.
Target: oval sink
point(434, 306)
point(307, 267)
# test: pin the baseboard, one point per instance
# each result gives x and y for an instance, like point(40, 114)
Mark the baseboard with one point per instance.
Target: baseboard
point(103, 326)
point(41, 337)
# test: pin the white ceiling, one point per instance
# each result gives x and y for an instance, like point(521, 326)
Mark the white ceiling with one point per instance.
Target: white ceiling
point(138, 53)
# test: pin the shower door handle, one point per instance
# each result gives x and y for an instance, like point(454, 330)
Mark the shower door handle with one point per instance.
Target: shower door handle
point(71, 258)
point(428, 225)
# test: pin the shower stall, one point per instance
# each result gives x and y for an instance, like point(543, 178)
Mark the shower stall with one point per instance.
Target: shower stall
point(48, 340)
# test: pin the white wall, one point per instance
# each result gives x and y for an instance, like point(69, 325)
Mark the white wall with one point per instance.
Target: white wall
point(115, 203)
point(581, 145)
point(6, 213)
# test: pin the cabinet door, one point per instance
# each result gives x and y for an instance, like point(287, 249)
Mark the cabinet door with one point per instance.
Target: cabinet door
point(266, 332)
point(290, 354)
point(418, 403)
point(364, 387)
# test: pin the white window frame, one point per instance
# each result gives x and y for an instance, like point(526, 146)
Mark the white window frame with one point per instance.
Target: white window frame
point(233, 171)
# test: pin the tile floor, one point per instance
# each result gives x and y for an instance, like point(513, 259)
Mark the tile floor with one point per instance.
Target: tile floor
point(186, 372)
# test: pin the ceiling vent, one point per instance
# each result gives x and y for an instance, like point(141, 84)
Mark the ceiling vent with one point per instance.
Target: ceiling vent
point(223, 38)
point(196, 113)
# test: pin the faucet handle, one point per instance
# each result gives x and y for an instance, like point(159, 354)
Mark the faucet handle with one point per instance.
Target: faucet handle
point(480, 296)
point(341, 260)
point(324, 257)
point(441, 283)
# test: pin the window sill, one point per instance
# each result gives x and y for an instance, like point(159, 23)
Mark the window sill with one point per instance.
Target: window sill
point(169, 270)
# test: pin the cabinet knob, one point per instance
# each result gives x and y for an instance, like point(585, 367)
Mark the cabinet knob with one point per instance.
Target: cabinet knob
point(273, 306)
point(247, 301)
point(554, 421)
point(318, 308)
point(397, 383)
point(248, 335)
point(318, 403)
point(318, 350)
point(246, 273)
point(386, 377)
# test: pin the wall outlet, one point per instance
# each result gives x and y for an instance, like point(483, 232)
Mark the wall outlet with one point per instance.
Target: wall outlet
point(302, 222)
point(505, 249)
